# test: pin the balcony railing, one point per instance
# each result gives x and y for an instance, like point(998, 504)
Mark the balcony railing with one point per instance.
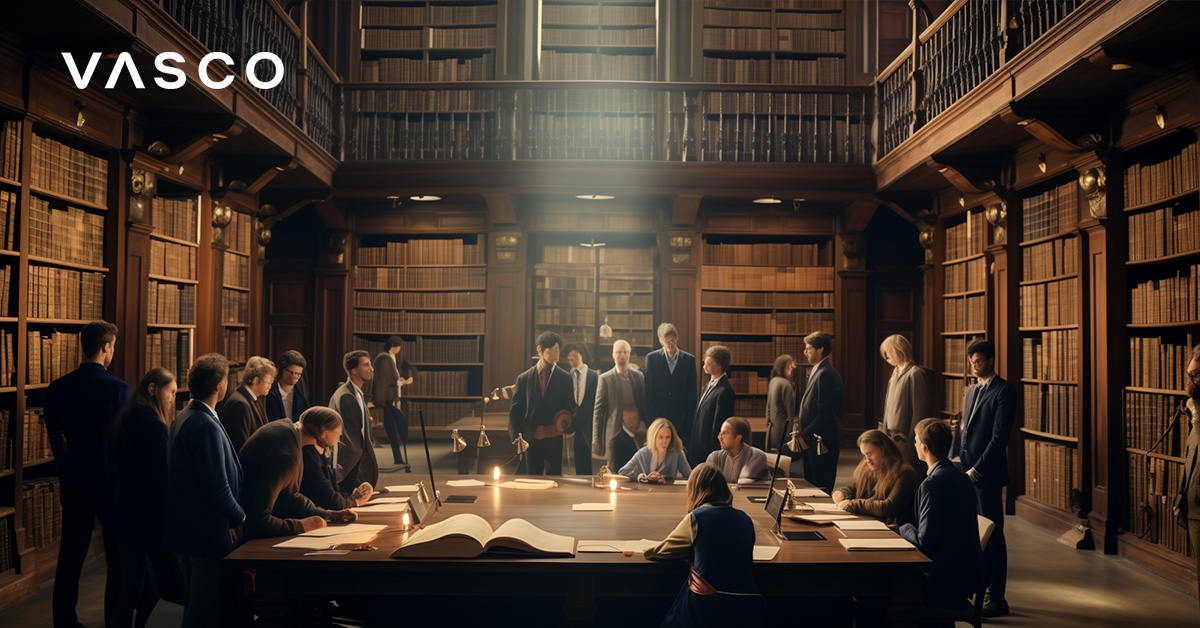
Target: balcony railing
point(960, 49)
point(323, 110)
point(621, 121)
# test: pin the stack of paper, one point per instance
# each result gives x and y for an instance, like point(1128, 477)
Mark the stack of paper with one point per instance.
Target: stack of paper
point(860, 524)
point(331, 536)
point(464, 483)
point(893, 543)
point(527, 484)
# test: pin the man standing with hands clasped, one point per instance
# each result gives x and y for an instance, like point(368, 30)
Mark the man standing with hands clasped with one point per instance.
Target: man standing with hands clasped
point(821, 413)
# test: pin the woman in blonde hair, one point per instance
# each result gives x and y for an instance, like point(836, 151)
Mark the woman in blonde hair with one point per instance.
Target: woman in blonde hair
point(661, 458)
point(884, 484)
point(719, 539)
point(908, 398)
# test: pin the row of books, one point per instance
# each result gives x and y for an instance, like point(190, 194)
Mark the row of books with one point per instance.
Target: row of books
point(6, 276)
point(1049, 473)
point(422, 252)
point(822, 71)
point(1170, 300)
point(763, 19)
point(438, 384)
point(749, 382)
point(647, 36)
point(955, 356)
point(1055, 258)
point(1051, 212)
point(800, 5)
point(765, 323)
point(773, 300)
point(421, 278)
point(8, 365)
point(1053, 356)
point(1052, 408)
point(626, 285)
point(1150, 181)
point(967, 277)
point(444, 412)
point(239, 234)
point(235, 307)
point(1153, 485)
point(388, 39)
point(629, 321)
point(593, 15)
point(759, 353)
point(567, 297)
point(638, 339)
point(626, 302)
point(481, 67)
point(50, 357)
point(69, 171)
point(382, 321)
point(966, 238)
point(170, 304)
point(769, 253)
point(7, 455)
point(170, 349)
point(233, 345)
point(35, 444)
point(41, 512)
point(7, 550)
point(965, 313)
point(65, 294)
point(177, 218)
point(1050, 303)
point(615, 260)
point(1148, 417)
point(954, 395)
point(577, 317)
point(236, 271)
point(749, 407)
point(423, 100)
point(68, 235)
point(422, 15)
point(421, 300)
point(554, 282)
point(815, 278)
point(168, 259)
point(1158, 362)
point(8, 219)
point(426, 136)
point(751, 138)
point(762, 40)
point(430, 350)
point(1164, 232)
point(587, 66)
point(594, 136)
point(10, 153)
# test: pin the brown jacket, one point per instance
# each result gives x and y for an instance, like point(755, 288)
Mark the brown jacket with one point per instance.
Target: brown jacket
point(893, 508)
point(242, 415)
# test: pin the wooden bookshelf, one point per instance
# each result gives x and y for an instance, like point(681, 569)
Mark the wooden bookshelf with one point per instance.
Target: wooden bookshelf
point(964, 303)
point(430, 291)
point(598, 40)
point(173, 281)
point(402, 41)
point(234, 317)
point(798, 42)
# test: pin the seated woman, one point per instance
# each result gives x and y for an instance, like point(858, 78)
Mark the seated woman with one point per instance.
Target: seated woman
point(661, 458)
point(884, 485)
point(319, 482)
point(719, 539)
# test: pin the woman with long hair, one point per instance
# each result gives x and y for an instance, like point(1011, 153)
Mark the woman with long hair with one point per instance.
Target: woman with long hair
point(719, 539)
point(908, 398)
point(781, 400)
point(884, 484)
point(661, 458)
point(139, 446)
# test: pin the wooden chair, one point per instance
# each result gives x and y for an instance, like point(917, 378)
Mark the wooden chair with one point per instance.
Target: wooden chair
point(785, 464)
point(970, 612)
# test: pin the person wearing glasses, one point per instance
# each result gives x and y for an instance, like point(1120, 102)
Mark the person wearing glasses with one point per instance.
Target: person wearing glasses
point(1187, 504)
point(287, 398)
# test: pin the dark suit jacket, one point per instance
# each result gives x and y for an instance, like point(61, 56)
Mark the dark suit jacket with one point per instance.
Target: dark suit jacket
point(140, 451)
point(530, 408)
point(354, 455)
point(711, 412)
point(582, 424)
point(1189, 489)
point(202, 487)
point(241, 417)
point(821, 406)
point(80, 408)
point(384, 390)
point(319, 482)
point(986, 431)
point(948, 533)
point(275, 402)
point(270, 494)
point(672, 395)
point(609, 410)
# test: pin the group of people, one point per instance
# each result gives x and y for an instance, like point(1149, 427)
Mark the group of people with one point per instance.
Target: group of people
point(174, 493)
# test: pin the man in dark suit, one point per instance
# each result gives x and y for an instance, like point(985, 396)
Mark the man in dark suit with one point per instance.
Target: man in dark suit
point(989, 411)
point(203, 519)
point(391, 373)
point(671, 383)
point(584, 381)
point(244, 411)
point(354, 456)
point(1188, 501)
point(80, 407)
point(946, 529)
point(543, 407)
point(716, 405)
point(619, 423)
point(287, 398)
point(821, 413)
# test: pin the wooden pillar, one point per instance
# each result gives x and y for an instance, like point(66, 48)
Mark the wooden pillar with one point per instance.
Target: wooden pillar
point(851, 342)
point(330, 321)
point(1004, 274)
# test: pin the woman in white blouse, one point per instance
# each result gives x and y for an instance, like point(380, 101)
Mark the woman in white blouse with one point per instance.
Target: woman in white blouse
point(661, 458)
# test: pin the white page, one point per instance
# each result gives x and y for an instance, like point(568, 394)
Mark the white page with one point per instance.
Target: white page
point(387, 500)
point(861, 524)
point(349, 528)
point(819, 507)
point(529, 485)
point(764, 553)
point(594, 506)
point(464, 483)
point(380, 509)
point(615, 546)
point(809, 492)
point(821, 517)
point(895, 543)
point(307, 543)
point(402, 488)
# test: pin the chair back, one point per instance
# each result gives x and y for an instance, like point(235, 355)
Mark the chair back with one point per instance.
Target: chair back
point(785, 464)
point(986, 527)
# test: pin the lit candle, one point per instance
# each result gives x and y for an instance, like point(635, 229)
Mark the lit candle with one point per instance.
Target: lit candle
point(612, 484)
point(496, 473)
point(405, 521)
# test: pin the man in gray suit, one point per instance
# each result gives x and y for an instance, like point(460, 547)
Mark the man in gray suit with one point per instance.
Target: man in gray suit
point(619, 417)
point(1188, 503)
point(391, 374)
point(354, 457)
point(821, 413)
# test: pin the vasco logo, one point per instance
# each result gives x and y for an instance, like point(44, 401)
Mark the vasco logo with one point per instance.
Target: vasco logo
point(162, 63)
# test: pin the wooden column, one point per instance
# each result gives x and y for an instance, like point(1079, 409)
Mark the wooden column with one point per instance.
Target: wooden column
point(507, 344)
point(1005, 276)
point(330, 321)
point(850, 344)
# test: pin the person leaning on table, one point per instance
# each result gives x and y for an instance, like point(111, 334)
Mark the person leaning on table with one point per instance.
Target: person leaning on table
point(883, 485)
point(661, 458)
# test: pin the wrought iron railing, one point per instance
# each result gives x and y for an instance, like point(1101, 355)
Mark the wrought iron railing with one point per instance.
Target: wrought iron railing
point(265, 28)
point(323, 110)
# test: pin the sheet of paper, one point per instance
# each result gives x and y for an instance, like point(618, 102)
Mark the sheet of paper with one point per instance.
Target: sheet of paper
point(809, 492)
point(380, 509)
point(895, 543)
point(594, 506)
point(615, 546)
point(821, 507)
point(306, 542)
point(402, 488)
point(327, 553)
point(822, 518)
point(764, 553)
point(464, 483)
point(860, 524)
point(578, 480)
point(349, 528)
point(387, 500)
point(529, 485)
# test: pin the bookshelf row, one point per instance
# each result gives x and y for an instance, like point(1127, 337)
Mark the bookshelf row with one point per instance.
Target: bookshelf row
point(8, 219)
point(955, 358)
point(769, 254)
point(751, 407)
point(1050, 473)
point(969, 276)
point(1050, 213)
point(1051, 355)
point(235, 307)
point(67, 235)
point(438, 384)
point(555, 65)
point(1153, 484)
point(68, 171)
point(1158, 362)
point(1168, 300)
point(1164, 232)
point(380, 321)
point(35, 443)
point(782, 39)
point(422, 253)
point(575, 14)
point(815, 278)
point(1052, 408)
point(41, 512)
point(8, 365)
point(177, 218)
point(420, 300)
point(767, 300)
point(1050, 304)
point(968, 313)
point(641, 37)
point(170, 349)
point(64, 294)
point(714, 16)
point(10, 152)
point(821, 71)
point(801, 323)
point(421, 278)
point(428, 350)
point(760, 353)
point(428, 38)
point(176, 261)
point(405, 15)
point(234, 345)
point(1148, 417)
point(1154, 180)
point(1049, 260)
point(966, 238)
point(480, 67)
point(51, 356)
point(171, 304)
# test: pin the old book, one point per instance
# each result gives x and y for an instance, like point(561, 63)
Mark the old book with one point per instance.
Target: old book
point(468, 536)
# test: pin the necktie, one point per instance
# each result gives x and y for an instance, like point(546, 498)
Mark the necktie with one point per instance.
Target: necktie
point(578, 387)
point(542, 376)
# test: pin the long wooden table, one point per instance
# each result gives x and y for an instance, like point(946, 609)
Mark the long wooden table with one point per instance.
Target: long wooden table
point(802, 570)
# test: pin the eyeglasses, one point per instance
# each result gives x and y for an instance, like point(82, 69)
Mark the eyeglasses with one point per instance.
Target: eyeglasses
point(978, 362)
point(295, 373)
point(1194, 376)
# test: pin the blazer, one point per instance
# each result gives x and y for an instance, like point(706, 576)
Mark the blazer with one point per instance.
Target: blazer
point(893, 508)
point(948, 533)
point(202, 487)
point(609, 411)
point(140, 451)
point(275, 402)
point(587, 407)
point(781, 399)
point(821, 406)
point(80, 407)
point(1189, 490)
point(270, 493)
point(672, 395)
point(241, 417)
point(319, 481)
point(530, 408)
point(711, 412)
point(907, 402)
point(354, 454)
point(673, 465)
point(986, 430)
point(385, 389)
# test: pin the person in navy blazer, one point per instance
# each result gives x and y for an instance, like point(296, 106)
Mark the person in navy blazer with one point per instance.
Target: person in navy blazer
point(715, 405)
point(821, 413)
point(671, 389)
point(946, 529)
point(203, 519)
point(584, 387)
point(288, 381)
point(989, 411)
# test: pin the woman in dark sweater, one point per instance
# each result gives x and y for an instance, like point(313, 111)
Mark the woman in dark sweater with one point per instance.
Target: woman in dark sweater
point(319, 482)
point(139, 450)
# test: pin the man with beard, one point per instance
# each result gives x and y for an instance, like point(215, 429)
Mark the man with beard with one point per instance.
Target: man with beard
point(1188, 503)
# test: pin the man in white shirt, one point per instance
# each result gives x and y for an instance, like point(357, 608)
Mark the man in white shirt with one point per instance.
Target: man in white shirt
point(584, 382)
point(354, 456)
point(739, 461)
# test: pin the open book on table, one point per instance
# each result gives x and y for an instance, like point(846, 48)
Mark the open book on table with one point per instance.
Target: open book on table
point(468, 536)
